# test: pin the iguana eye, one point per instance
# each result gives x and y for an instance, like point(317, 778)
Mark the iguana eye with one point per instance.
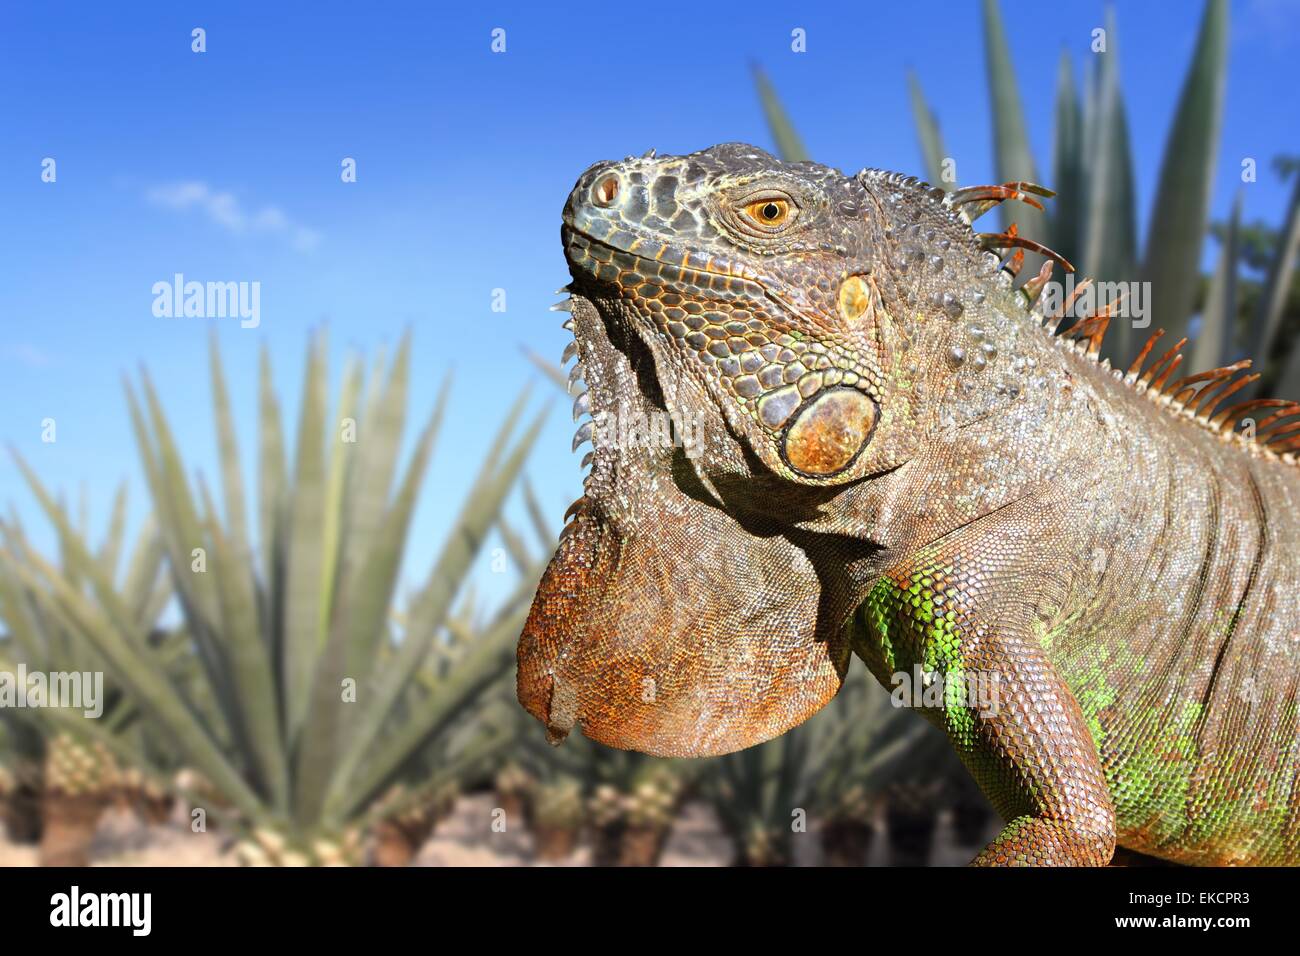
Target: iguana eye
point(769, 212)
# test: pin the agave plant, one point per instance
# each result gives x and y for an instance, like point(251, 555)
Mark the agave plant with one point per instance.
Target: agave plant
point(1094, 221)
point(817, 775)
point(882, 746)
point(319, 703)
point(22, 756)
point(84, 759)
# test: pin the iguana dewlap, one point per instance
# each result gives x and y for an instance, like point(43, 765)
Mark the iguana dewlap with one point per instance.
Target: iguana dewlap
point(893, 452)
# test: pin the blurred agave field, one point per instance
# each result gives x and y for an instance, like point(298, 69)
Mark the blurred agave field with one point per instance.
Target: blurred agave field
point(269, 693)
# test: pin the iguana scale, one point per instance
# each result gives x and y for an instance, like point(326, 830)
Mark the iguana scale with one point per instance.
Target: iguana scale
point(899, 455)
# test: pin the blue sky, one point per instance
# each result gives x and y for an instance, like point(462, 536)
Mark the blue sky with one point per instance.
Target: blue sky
point(225, 165)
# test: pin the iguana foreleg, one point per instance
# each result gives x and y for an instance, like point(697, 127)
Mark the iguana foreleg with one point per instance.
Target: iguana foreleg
point(958, 609)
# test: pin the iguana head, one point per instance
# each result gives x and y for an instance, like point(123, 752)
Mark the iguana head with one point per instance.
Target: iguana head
point(779, 314)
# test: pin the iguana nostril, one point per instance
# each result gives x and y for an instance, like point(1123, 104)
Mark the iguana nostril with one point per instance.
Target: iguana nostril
point(605, 190)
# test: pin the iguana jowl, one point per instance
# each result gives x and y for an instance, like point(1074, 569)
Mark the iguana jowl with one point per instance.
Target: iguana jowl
point(901, 457)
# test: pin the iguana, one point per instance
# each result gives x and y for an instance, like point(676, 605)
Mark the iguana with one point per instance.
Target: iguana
point(900, 455)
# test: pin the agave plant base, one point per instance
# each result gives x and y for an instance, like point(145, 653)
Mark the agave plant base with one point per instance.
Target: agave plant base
point(628, 844)
point(20, 814)
point(70, 824)
point(153, 810)
point(514, 806)
point(846, 842)
point(397, 843)
point(970, 820)
point(642, 846)
point(911, 836)
point(762, 847)
point(607, 844)
point(554, 843)
point(270, 848)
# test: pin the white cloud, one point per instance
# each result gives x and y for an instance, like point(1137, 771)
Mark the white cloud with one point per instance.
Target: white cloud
point(224, 209)
point(28, 355)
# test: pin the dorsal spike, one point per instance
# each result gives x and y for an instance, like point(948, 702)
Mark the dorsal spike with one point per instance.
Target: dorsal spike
point(1213, 375)
point(1171, 355)
point(1136, 368)
point(1093, 328)
point(1212, 397)
point(1054, 322)
point(1279, 434)
point(1010, 239)
point(1286, 412)
point(1289, 446)
point(1015, 262)
point(1034, 287)
point(1235, 412)
point(975, 201)
point(1159, 384)
point(1097, 331)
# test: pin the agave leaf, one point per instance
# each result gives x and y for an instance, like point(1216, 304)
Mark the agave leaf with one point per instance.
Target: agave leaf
point(174, 498)
point(16, 612)
point(77, 557)
point(271, 478)
point(373, 472)
point(180, 535)
point(256, 718)
point(485, 662)
point(1014, 161)
point(519, 555)
point(355, 632)
point(158, 600)
point(228, 449)
point(1278, 283)
point(1214, 344)
point(142, 573)
point(537, 517)
point(1110, 221)
point(305, 563)
point(789, 146)
point(431, 607)
point(927, 131)
point(1290, 377)
point(372, 595)
point(1067, 166)
point(111, 550)
point(1177, 230)
point(340, 454)
point(498, 446)
point(548, 368)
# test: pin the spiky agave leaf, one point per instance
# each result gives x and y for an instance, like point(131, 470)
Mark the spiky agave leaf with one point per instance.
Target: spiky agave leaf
point(1214, 342)
point(1013, 159)
point(927, 131)
point(1109, 223)
point(1067, 166)
point(788, 144)
point(1176, 233)
point(1268, 321)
